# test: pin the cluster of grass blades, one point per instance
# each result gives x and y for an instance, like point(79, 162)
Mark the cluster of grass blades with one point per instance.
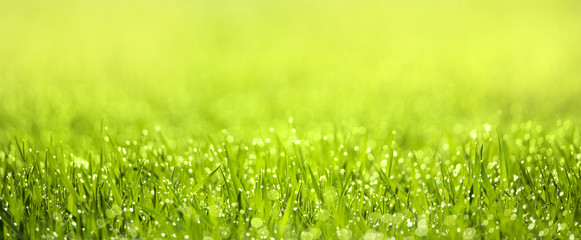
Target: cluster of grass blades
point(410, 119)
point(347, 185)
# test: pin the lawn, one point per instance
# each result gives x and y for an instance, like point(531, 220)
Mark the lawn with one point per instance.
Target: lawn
point(290, 120)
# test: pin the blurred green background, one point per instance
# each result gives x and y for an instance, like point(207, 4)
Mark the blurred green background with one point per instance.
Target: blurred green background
point(196, 67)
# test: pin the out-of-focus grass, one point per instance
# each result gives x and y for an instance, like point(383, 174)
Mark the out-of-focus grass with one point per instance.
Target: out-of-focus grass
point(421, 78)
point(199, 65)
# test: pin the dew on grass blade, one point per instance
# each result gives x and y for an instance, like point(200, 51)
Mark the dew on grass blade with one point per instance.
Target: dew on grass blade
point(307, 235)
point(256, 222)
point(263, 233)
point(224, 231)
point(450, 220)
point(316, 233)
point(344, 234)
point(468, 233)
point(421, 231)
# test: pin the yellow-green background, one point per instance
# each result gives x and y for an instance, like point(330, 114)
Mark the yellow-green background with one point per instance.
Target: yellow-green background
point(196, 67)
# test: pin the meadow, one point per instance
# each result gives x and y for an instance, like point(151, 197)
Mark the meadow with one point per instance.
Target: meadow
point(290, 120)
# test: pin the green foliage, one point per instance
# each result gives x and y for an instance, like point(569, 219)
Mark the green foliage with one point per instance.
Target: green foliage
point(289, 120)
point(141, 188)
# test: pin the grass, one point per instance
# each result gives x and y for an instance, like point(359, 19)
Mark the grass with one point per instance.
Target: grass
point(375, 120)
point(345, 185)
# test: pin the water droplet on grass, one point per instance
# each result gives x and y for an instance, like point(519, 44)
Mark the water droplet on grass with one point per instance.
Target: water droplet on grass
point(469, 233)
point(256, 222)
point(224, 232)
point(344, 234)
point(316, 233)
point(273, 195)
point(263, 233)
point(383, 163)
point(421, 231)
point(306, 235)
